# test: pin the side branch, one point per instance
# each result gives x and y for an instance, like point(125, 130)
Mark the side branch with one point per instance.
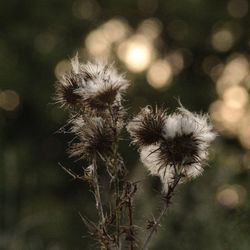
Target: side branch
point(167, 200)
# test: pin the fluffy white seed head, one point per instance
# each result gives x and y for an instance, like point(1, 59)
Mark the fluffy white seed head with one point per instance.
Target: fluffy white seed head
point(103, 85)
point(92, 85)
point(182, 148)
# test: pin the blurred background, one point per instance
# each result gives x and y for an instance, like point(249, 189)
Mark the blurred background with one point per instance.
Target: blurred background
point(197, 50)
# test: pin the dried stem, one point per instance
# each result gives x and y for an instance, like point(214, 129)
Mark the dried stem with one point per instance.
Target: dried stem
point(97, 192)
point(116, 175)
point(167, 200)
point(130, 217)
point(71, 173)
point(117, 197)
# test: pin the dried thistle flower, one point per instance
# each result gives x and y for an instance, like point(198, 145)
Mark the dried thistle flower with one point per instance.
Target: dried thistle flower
point(95, 137)
point(95, 86)
point(66, 88)
point(182, 147)
point(103, 85)
point(146, 128)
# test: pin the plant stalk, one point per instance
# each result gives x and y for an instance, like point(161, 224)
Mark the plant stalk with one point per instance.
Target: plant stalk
point(167, 200)
point(97, 193)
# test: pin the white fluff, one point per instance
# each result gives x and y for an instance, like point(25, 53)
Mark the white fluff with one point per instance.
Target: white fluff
point(75, 64)
point(100, 78)
point(180, 123)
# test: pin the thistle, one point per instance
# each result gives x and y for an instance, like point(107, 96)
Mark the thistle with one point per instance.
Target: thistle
point(176, 151)
point(68, 85)
point(182, 148)
point(103, 87)
point(171, 146)
point(146, 128)
point(94, 137)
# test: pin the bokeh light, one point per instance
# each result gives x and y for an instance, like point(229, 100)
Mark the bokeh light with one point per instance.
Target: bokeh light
point(222, 40)
point(61, 68)
point(97, 45)
point(231, 196)
point(115, 30)
point(244, 131)
point(236, 97)
point(151, 28)
point(234, 73)
point(9, 100)
point(226, 118)
point(136, 52)
point(237, 8)
point(160, 74)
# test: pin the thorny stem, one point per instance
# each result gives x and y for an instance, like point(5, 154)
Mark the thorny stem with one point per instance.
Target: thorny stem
point(117, 196)
point(97, 192)
point(116, 183)
point(130, 217)
point(118, 217)
point(167, 200)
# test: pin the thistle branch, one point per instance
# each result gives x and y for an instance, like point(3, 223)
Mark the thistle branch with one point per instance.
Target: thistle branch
point(116, 175)
point(130, 217)
point(167, 200)
point(97, 192)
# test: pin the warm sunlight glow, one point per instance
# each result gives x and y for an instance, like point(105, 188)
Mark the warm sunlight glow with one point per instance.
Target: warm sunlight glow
point(151, 28)
point(62, 67)
point(234, 72)
point(136, 53)
point(226, 118)
point(159, 74)
point(115, 30)
point(236, 97)
point(97, 45)
point(244, 131)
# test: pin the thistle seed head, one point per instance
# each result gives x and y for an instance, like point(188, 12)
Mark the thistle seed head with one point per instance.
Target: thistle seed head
point(94, 86)
point(95, 137)
point(66, 90)
point(146, 128)
point(103, 86)
point(182, 148)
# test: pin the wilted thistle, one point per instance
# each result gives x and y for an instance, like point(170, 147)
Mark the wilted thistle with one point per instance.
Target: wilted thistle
point(178, 150)
point(93, 86)
point(66, 88)
point(147, 127)
point(103, 87)
point(180, 144)
point(171, 146)
point(94, 138)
